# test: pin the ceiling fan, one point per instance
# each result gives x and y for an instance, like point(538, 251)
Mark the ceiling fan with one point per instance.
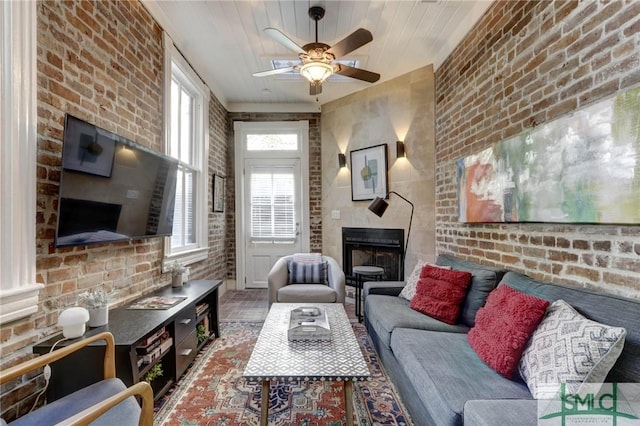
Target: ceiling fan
point(317, 57)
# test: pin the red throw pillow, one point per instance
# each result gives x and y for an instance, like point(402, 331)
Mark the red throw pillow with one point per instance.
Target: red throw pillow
point(440, 293)
point(503, 327)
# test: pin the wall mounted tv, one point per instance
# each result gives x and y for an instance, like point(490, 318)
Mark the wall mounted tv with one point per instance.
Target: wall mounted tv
point(111, 189)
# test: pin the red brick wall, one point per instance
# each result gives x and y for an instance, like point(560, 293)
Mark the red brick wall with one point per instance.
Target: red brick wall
point(527, 63)
point(100, 61)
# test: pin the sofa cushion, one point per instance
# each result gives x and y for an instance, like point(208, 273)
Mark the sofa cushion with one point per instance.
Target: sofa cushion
point(440, 293)
point(503, 327)
point(385, 313)
point(521, 412)
point(294, 293)
point(60, 410)
point(445, 372)
point(409, 290)
point(568, 348)
point(483, 280)
point(307, 272)
point(602, 307)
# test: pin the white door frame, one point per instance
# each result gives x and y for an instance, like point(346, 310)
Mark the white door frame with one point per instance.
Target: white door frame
point(241, 129)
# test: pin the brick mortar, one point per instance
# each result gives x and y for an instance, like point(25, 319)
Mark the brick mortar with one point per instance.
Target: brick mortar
point(102, 62)
point(523, 64)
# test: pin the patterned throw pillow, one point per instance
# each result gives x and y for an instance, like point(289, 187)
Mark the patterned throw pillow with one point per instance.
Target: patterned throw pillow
point(409, 289)
point(440, 293)
point(568, 348)
point(503, 327)
point(307, 273)
point(307, 257)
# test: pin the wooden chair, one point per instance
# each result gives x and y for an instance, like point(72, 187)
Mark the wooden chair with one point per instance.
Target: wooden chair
point(107, 402)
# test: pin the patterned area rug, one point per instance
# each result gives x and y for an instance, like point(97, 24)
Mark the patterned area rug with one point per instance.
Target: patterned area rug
point(213, 391)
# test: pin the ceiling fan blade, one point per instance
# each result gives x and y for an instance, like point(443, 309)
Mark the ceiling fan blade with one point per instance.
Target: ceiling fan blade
point(358, 73)
point(315, 89)
point(273, 72)
point(355, 40)
point(278, 36)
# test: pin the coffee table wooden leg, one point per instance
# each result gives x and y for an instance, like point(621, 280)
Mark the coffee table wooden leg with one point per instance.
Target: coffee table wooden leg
point(348, 401)
point(264, 403)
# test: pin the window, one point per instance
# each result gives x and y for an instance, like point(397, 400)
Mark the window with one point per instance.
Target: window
point(18, 144)
point(272, 142)
point(186, 139)
point(272, 204)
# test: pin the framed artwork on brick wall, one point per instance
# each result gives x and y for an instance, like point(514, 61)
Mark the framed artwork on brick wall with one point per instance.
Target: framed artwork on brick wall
point(369, 177)
point(581, 168)
point(218, 193)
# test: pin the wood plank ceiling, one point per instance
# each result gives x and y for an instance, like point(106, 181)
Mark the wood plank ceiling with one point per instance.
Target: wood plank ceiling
point(225, 43)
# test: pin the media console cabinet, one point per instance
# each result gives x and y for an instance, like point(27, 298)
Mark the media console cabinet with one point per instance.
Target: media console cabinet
point(147, 341)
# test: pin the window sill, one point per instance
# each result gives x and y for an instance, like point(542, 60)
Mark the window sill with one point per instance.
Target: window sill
point(19, 303)
point(186, 258)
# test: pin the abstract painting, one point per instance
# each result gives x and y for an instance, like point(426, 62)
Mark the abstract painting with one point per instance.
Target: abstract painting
point(369, 173)
point(581, 168)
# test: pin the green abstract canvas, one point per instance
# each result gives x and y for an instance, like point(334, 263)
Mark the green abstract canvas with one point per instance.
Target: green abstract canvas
point(581, 168)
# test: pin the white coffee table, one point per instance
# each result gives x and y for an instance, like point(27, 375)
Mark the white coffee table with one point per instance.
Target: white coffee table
point(276, 358)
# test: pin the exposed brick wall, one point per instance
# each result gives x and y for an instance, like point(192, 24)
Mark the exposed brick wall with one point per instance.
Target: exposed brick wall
point(527, 63)
point(100, 61)
point(315, 173)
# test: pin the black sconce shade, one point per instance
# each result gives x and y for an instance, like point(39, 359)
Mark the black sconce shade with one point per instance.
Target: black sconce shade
point(400, 152)
point(342, 160)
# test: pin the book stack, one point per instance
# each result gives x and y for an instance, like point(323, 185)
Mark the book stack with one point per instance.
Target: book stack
point(153, 347)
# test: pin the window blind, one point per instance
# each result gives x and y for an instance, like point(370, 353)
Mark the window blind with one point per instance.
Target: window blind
point(272, 205)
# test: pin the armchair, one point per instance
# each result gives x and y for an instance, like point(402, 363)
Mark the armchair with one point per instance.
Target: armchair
point(281, 291)
point(107, 402)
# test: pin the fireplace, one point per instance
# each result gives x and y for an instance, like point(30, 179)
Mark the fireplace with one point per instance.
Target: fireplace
point(373, 246)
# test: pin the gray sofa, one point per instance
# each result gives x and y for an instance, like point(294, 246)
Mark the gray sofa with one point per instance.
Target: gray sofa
point(441, 379)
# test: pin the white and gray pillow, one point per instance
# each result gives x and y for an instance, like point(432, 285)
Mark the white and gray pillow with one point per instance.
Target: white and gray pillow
point(568, 348)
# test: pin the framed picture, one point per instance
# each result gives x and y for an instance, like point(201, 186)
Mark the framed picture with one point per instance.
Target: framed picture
point(369, 177)
point(218, 193)
point(89, 150)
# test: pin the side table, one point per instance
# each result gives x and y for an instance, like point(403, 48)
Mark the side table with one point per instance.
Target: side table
point(360, 272)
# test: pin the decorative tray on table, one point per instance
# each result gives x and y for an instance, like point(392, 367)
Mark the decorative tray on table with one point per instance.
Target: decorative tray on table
point(309, 323)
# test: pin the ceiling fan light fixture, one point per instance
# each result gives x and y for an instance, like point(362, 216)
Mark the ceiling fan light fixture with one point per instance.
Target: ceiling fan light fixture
point(316, 72)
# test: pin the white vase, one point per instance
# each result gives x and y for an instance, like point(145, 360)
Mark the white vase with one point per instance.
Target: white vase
point(99, 316)
point(176, 280)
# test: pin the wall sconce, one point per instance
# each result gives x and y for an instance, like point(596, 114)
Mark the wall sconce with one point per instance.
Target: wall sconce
point(400, 152)
point(342, 160)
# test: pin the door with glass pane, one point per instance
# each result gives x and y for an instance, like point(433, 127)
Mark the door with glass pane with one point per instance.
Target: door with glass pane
point(273, 196)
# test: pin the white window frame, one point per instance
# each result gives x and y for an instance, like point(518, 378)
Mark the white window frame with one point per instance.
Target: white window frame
point(18, 147)
point(175, 63)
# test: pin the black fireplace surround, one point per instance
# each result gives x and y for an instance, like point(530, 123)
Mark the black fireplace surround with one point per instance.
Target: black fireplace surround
point(381, 247)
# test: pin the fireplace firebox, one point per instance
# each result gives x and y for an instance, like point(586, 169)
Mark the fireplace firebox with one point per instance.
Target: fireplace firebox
point(381, 247)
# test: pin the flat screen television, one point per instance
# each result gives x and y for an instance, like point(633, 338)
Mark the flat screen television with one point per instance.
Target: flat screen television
point(112, 189)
